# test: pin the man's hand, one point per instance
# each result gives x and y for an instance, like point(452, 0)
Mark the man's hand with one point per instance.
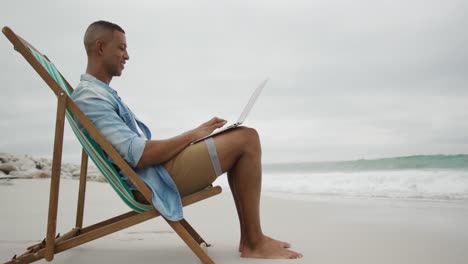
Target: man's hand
point(207, 128)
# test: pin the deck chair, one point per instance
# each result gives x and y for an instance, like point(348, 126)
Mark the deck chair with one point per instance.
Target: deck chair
point(94, 145)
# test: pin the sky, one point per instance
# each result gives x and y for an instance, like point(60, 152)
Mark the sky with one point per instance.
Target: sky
point(347, 79)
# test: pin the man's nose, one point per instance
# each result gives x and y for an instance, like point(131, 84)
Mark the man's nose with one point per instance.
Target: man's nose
point(126, 56)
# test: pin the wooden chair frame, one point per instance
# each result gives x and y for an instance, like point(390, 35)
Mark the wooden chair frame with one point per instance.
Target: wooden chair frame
point(53, 244)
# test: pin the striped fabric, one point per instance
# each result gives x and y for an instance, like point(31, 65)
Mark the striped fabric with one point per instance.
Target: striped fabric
point(93, 150)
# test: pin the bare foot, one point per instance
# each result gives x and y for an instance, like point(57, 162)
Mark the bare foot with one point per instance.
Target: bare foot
point(268, 248)
point(281, 244)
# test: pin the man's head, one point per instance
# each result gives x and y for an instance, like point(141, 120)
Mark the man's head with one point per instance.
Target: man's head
point(106, 48)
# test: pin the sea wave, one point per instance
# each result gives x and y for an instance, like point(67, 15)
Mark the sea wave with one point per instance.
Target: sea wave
point(420, 184)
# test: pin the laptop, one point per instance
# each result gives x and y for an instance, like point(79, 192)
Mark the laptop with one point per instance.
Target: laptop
point(243, 115)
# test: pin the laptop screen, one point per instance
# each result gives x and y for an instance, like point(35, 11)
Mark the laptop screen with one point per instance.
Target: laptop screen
point(251, 102)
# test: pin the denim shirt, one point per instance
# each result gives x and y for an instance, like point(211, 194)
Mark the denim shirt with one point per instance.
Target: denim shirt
point(102, 105)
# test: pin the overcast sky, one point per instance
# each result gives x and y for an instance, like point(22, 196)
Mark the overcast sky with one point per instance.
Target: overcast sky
point(348, 79)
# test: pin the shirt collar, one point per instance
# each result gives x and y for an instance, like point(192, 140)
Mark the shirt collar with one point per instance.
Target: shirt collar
point(90, 78)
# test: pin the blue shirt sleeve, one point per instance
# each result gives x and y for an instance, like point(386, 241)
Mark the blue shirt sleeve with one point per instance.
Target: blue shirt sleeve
point(103, 113)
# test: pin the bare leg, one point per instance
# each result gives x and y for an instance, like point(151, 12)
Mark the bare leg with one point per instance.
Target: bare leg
point(239, 214)
point(240, 155)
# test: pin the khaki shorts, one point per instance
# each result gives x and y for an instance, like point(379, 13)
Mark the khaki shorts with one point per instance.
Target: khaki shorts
point(195, 167)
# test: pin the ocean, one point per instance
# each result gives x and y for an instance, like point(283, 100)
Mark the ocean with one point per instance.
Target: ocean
point(434, 177)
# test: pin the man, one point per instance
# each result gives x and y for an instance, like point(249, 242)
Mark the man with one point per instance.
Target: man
point(173, 167)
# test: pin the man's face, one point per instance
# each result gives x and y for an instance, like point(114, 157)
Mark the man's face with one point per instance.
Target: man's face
point(115, 53)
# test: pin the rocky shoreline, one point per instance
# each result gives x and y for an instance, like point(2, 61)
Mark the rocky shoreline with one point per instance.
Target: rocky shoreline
point(27, 167)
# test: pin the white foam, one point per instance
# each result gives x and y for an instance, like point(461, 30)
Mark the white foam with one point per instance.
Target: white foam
point(437, 184)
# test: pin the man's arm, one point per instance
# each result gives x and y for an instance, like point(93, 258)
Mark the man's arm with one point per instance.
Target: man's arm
point(101, 109)
point(159, 151)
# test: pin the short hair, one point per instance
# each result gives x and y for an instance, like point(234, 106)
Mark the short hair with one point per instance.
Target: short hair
point(106, 25)
point(96, 30)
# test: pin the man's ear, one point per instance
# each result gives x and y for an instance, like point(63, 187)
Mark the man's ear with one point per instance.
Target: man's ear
point(99, 47)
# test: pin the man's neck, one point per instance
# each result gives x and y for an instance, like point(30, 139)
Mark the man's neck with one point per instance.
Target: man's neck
point(99, 74)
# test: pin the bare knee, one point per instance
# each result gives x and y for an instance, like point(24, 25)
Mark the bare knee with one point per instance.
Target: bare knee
point(234, 144)
point(251, 137)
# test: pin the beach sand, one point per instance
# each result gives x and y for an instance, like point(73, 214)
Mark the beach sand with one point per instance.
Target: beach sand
point(325, 229)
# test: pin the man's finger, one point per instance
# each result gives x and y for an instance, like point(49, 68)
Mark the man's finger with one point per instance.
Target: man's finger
point(211, 121)
point(221, 121)
point(214, 121)
point(220, 124)
point(217, 119)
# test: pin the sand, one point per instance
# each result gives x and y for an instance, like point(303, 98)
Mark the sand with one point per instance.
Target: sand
point(325, 229)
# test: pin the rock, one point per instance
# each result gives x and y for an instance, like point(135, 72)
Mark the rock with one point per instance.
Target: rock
point(21, 174)
point(7, 168)
point(65, 174)
point(96, 178)
point(3, 159)
point(39, 165)
point(25, 163)
point(76, 173)
point(41, 174)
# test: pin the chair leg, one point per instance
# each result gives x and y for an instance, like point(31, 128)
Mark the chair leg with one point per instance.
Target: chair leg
point(191, 243)
point(193, 233)
point(82, 190)
point(55, 178)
